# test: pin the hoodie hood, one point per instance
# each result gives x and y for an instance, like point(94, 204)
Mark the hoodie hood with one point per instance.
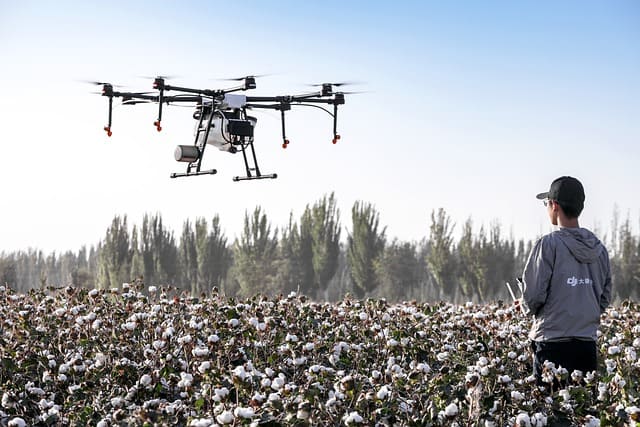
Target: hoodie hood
point(582, 243)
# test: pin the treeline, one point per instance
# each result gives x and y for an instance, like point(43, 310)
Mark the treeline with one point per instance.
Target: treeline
point(308, 255)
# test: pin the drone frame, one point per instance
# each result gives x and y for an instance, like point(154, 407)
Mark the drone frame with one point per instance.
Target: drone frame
point(214, 100)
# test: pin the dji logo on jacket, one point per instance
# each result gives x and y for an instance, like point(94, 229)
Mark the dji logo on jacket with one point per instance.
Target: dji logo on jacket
point(573, 281)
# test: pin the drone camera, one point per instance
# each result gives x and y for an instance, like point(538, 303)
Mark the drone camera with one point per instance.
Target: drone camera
point(242, 128)
point(187, 153)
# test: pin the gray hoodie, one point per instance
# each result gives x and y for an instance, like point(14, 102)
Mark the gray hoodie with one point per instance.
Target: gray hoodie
point(567, 285)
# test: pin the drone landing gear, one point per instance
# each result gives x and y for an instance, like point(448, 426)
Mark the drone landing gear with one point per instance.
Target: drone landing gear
point(255, 170)
point(179, 174)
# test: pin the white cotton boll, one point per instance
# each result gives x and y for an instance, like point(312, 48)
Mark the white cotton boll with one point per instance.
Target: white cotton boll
point(523, 420)
point(17, 422)
point(273, 397)
point(630, 354)
point(129, 326)
point(201, 422)
point(392, 343)
point(363, 316)
point(484, 371)
point(538, 420)
point(636, 343)
point(233, 322)
point(244, 412)
point(265, 383)
point(298, 361)
point(451, 410)
point(442, 356)
point(353, 418)
point(291, 338)
point(504, 379)
point(221, 392)
point(213, 338)
point(145, 380)
point(158, 344)
point(483, 361)
point(611, 365)
point(269, 372)
point(386, 317)
point(117, 402)
point(277, 383)
point(204, 367)
point(309, 346)
point(60, 312)
point(591, 421)
point(240, 372)
point(200, 351)
point(488, 423)
point(423, 367)
point(152, 289)
point(383, 393)
point(185, 339)
point(517, 396)
point(185, 380)
point(226, 417)
point(512, 355)
point(564, 393)
point(614, 349)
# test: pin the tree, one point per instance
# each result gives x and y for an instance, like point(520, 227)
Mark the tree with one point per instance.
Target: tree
point(365, 246)
point(8, 271)
point(255, 255)
point(290, 269)
point(322, 221)
point(159, 251)
point(137, 260)
point(399, 271)
point(440, 256)
point(471, 271)
point(113, 264)
point(188, 258)
point(625, 264)
point(219, 255)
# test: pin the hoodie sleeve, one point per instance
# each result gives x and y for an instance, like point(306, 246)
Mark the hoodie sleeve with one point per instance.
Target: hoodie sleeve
point(537, 275)
point(605, 298)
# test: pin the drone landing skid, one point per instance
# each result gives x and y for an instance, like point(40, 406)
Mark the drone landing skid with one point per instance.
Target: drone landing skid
point(179, 175)
point(249, 178)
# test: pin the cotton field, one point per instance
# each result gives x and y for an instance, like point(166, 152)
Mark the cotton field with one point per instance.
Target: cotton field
point(147, 356)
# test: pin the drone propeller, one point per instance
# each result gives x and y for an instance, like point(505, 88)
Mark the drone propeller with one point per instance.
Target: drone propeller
point(338, 84)
point(239, 79)
point(172, 77)
point(97, 83)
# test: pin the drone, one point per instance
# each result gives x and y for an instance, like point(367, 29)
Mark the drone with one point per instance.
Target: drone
point(222, 120)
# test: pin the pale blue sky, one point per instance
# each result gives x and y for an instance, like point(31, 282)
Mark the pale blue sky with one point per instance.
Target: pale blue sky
point(471, 106)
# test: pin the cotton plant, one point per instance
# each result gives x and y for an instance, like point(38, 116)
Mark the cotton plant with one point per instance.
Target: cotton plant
point(212, 360)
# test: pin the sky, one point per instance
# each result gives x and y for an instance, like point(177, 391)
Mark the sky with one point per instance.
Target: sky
point(473, 107)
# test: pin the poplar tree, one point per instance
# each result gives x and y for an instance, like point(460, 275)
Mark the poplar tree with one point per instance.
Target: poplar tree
point(255, 255)
point(440, 256)
point(322, 221)
point(113, 263)
point(188, 258)
point(365, 245)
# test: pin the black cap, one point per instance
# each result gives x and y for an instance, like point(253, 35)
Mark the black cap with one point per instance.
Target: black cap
point(566, 190)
